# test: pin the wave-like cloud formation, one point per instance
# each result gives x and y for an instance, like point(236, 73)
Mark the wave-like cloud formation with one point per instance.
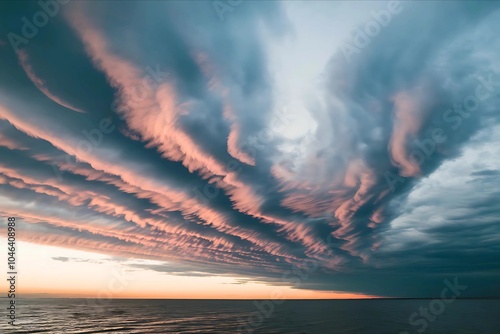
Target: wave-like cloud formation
point(170, 155)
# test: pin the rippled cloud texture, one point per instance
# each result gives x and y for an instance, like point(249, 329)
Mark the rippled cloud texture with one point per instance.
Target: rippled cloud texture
point(157, 130)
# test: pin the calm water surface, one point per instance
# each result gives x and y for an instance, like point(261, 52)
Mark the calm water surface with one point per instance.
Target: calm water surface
point(62, 316)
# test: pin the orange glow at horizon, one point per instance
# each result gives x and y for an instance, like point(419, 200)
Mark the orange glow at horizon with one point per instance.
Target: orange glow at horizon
point(79, 274)
point(276, 293)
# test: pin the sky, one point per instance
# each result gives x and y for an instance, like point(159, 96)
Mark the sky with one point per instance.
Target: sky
point(250, 149)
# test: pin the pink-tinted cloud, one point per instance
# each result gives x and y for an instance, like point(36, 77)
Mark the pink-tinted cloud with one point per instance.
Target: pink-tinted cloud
point(39, 83)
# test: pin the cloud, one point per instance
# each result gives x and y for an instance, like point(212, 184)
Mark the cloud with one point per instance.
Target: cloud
point(183, 155)
point(40, 84)
point(72, 259)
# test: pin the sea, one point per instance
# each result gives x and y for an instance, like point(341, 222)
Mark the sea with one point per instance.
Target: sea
point(395, 316)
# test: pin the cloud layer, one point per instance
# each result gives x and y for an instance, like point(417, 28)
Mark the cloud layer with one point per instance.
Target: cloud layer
point(154, 130)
